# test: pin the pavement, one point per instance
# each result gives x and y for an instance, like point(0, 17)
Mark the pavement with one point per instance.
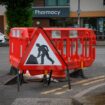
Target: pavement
point(93, 92)
point(83, 91)
point(92, 96)
point(100, 43)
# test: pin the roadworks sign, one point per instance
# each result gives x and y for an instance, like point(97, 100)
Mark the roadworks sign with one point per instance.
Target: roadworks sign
point(42, 54)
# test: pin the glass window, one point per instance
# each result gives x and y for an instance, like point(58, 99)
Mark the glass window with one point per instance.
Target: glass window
point(101, 26)
point(97, 24)
point(50, 2)
point(56, 2)
point(63, 2)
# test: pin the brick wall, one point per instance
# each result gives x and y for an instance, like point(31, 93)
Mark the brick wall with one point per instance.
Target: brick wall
point(2, 24)
point(38, 3)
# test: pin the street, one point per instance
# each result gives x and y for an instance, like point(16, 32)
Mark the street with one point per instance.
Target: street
point(35, 93)
point(4, 60)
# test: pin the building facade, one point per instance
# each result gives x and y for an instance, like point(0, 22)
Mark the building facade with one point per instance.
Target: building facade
point(2, 19)
point(91, 13)
point(65, 13)
point(50, 12)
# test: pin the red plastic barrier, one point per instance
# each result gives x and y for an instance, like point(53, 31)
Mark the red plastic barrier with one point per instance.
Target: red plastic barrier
point(75, 45)
point(20, 38)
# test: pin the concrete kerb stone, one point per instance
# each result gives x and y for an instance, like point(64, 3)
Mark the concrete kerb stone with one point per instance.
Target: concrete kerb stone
point(42, 101)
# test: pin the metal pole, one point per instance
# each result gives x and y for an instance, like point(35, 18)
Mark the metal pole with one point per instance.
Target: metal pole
point(18, 80)
point(68, 78)
point(78, 13)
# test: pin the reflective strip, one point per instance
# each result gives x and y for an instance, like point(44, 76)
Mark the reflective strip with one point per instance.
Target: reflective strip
point(16, 33)
point(12, 48)
point(21, 51)
point(82, 65)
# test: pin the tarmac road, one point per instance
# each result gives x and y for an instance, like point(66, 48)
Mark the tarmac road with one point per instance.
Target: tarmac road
point(4, 60)
point(36, 91)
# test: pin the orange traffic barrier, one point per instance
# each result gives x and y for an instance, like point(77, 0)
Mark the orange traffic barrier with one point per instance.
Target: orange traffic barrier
point(76, 46)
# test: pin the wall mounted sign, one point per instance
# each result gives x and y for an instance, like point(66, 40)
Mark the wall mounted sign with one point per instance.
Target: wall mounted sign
point(51, 12)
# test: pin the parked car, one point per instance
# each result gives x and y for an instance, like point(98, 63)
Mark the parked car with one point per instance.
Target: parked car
point(3, 38)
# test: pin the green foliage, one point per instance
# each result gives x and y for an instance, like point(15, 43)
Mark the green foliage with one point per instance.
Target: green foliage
point(19, 13)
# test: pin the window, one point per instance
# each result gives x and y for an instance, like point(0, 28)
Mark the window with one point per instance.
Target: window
point(63, 2)
point(50, 2)
point(56, 2)
point(97, 24)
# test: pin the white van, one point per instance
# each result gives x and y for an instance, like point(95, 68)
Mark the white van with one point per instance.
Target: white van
point(2, 38)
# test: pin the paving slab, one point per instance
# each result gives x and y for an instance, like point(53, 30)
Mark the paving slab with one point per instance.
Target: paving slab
point(42, 101)
point(95, 96)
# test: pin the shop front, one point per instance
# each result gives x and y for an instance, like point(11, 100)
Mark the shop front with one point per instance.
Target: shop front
point(97, 24)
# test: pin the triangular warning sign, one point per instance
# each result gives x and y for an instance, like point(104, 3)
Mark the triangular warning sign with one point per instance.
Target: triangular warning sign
point(41, 54)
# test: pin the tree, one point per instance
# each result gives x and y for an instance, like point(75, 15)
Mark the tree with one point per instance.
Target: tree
point(18, 13)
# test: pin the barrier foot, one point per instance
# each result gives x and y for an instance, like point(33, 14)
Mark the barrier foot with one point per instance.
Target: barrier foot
point(82, 74)
point(49, 79)
point(11, 80)
point(13, 71)
point(78, 73)
point(68, 78)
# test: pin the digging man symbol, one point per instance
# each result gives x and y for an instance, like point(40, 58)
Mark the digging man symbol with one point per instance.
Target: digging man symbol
point(43, 51)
